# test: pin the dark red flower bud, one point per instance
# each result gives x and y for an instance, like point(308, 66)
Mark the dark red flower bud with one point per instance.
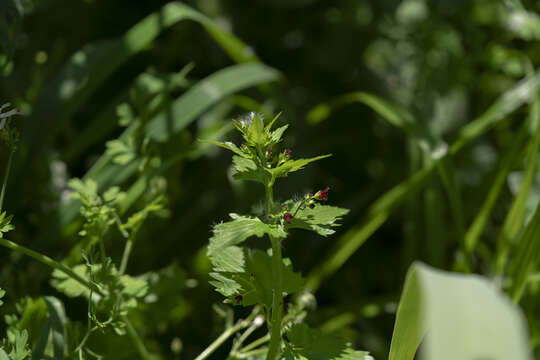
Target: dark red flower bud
point(322, 194)
point(287, 217)
point(238, 299)
point(288, 152)
point(269, 151)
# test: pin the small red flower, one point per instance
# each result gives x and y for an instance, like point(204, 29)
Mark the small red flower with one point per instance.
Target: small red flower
point(269, 151)
point(287, 217)
point(288, 152)
point(238, 299)
point(322, 194)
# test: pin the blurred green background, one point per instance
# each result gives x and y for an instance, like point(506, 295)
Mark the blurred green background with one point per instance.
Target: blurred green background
point(445, 61)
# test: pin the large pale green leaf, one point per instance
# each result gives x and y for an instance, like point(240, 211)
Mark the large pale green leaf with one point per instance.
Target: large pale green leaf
point(461, 316)
point(222, 250)
point(311, 344)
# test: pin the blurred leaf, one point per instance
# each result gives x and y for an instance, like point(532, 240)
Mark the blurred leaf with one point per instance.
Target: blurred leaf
point(525, 260)
point(68, 286)
point(476, 228)
point(464, 316)
point(515, 219)
point(379, 212)
point(183, 111)
point(89, 67)
point(312, 344)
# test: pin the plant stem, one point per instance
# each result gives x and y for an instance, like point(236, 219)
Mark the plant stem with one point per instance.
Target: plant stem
point(50, 262)
point(6, 176)
point(228, 333)
point(277, 301)
point(255, 343)
point(145, 355)
point(277, 296)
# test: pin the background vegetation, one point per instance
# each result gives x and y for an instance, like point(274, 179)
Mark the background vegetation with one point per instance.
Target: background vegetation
point(81, 71)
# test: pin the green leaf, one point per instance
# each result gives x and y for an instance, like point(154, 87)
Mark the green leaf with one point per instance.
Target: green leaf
point(19, 350)
point(229, 146)
point(320, 219)
point(90, 66)
point(464, 316)
point(293, 165)
point(222, 250)
point(247, 169)
point(5, 223)
point(2, 293)
point(57, 325)
point(381, 209)
point(256, 280)
point(205, 93)
point(67, 285)
point(525, 260)
point(515, 219)
point(183, 111)
point(312, 344)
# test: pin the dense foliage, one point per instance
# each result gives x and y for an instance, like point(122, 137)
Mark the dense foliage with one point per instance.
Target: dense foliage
point(114, 208)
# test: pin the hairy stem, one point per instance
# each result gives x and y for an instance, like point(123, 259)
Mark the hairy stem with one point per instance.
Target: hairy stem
point(277, 296)
point(6, 176)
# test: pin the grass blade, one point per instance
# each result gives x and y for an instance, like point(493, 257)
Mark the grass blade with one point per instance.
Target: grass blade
point(347, 245)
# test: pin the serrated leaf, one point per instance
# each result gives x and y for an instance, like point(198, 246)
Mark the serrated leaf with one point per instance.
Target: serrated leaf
point(256, 133)
point(222, 250)
point(276, 135)
point(229, 146)
point(320, 219)
point(293, 165)
point(312, 344)
point(254, 283)
point(246, 169)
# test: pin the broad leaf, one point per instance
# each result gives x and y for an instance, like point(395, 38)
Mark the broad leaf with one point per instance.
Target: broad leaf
point(256, 280)
point(312, 344)
point(320, 219)
point(464, 316)
point(222, 250)
point(254, 283)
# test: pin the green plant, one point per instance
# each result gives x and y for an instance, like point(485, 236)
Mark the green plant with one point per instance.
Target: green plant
point(254, 277)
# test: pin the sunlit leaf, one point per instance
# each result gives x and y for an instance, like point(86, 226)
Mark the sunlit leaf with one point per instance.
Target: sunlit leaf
point(464, 317)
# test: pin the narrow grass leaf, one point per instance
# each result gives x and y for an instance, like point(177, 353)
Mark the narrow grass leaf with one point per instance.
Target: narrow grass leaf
point(379, 212)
